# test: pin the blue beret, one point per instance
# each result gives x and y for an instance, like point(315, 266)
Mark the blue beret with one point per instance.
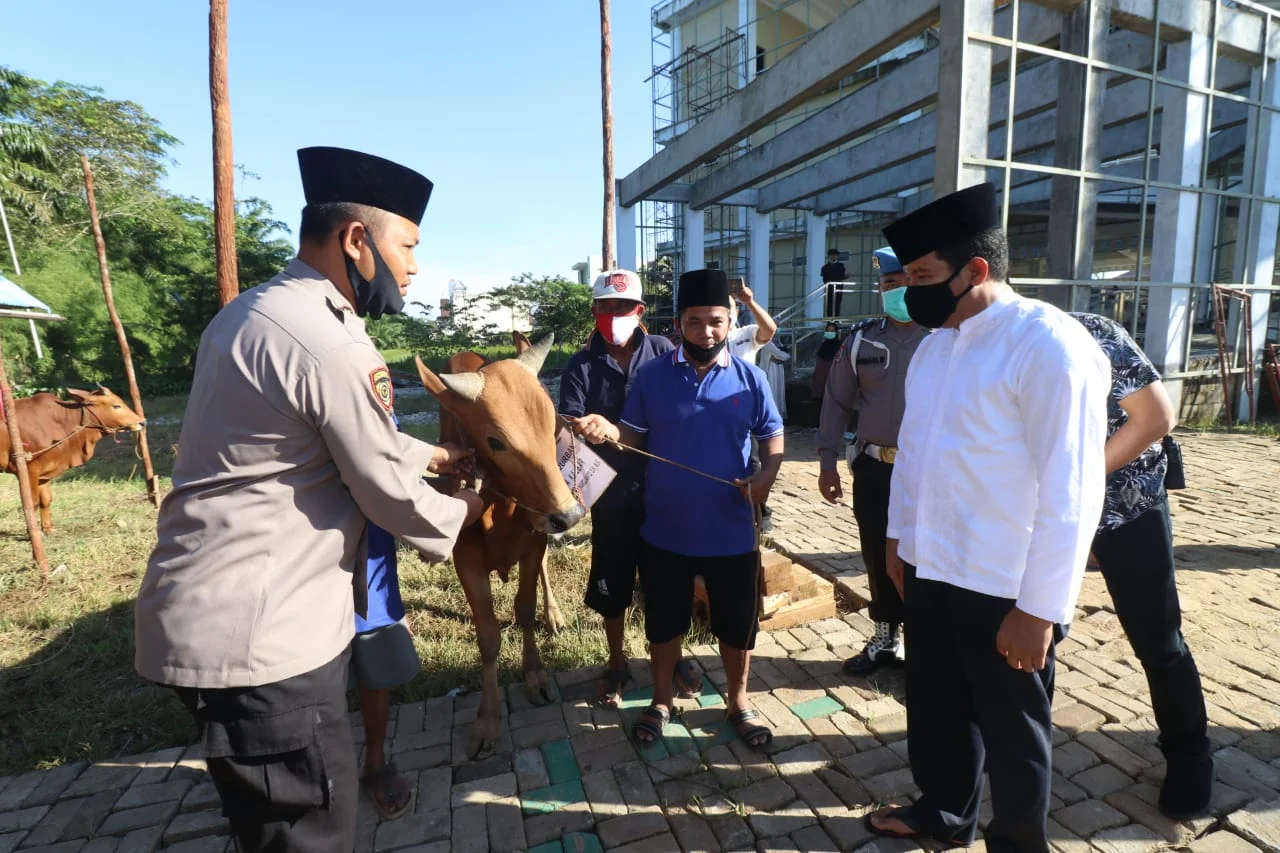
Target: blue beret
point(885, 261)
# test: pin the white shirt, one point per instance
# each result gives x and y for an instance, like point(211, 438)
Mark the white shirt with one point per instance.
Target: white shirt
point(743, 343)
point(1000, 474)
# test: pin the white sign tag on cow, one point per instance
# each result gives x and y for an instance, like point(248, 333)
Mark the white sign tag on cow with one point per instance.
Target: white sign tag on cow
point(593, 475)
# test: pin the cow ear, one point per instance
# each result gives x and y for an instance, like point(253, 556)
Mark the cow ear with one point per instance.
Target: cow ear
point(77, 394)
point(429, 380)
point(522, 343)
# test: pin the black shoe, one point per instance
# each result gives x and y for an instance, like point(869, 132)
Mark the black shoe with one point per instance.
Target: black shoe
point(1188, 786)
point(766, 519)
point(884, 649)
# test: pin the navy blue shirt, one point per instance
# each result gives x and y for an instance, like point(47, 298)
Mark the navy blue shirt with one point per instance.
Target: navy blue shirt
point(594, 384)
point(706, 424)
point(385, 605)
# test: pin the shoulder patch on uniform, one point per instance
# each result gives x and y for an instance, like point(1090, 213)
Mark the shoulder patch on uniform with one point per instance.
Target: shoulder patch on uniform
point(380, 383)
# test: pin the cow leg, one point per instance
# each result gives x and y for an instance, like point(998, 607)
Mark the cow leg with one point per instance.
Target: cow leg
point(551, 614)
point(531, 568)
point(487, 729)
point(44, 498)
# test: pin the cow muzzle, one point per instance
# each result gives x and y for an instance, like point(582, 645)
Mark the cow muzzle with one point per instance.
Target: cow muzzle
point(559, 522)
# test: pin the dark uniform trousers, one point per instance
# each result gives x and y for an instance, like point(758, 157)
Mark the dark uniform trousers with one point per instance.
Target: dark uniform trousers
point(1137, 564)
point(871, 509)
point(968, 709)
point(282, 758)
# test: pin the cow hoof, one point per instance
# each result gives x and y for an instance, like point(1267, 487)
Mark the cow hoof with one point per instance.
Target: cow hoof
point(555, 621)
point(483, 738)
point(538, 685)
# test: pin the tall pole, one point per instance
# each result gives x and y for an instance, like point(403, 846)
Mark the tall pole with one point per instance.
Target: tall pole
point(609, 248)
point(224, 194)
point(153, 486)
point(18, 458)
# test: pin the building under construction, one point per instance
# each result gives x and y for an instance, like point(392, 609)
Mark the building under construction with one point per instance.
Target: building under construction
point(1136, 145)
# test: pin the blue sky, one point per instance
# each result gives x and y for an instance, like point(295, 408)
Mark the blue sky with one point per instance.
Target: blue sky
point(498, 103)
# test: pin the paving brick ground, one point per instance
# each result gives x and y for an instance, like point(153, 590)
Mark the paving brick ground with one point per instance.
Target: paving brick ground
point(570, 781)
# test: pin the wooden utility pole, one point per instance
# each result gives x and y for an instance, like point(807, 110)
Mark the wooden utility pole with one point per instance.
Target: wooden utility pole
point(18, 455)
point(609, 250)
point(224, 193)
point(153, 485)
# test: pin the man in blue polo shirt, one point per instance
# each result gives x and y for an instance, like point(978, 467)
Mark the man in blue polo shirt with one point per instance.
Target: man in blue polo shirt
point(701, 407)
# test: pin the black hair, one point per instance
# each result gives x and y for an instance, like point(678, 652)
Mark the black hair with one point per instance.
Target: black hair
point(321, 220)
point(833, 252)
point(991, 245)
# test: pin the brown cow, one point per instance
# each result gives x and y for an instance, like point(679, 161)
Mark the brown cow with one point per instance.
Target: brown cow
point(61, 434)
point(502, 411)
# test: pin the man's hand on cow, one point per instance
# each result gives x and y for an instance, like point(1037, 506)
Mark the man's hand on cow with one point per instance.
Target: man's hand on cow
point(829, 486)
point(596, 429)
point(475, 505)
point(452, 458)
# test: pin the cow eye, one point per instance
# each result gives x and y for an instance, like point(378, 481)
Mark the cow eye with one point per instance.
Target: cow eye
point(496, 445)
point(117, 408)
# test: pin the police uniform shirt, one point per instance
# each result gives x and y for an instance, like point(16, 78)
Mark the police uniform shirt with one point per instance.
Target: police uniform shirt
point(1000, 475)
point(288, 449)
point(874, 387)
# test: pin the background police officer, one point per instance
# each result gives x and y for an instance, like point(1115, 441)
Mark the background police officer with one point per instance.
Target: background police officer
point(867, 377)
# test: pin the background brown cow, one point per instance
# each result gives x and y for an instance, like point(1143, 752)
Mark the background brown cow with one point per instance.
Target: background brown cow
point(503, 412)
point(62, 434)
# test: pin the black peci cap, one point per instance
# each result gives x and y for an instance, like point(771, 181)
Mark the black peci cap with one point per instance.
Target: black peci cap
point(339, 175)
point(702, 287)
point(944, 222)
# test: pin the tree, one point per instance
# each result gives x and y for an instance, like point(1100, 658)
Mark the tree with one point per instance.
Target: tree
point(224, 199)
point(27, 180)
point(558, 306)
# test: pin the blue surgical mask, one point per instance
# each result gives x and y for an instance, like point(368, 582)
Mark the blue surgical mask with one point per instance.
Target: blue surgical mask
point(831, 336)
point(895, 304)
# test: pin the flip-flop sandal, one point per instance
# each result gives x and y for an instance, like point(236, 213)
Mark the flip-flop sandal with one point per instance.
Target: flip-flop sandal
point(390, 794)
point(688, 680)
point(612, 683)
point(752, 735)
point(901, 813)
point(648, 729)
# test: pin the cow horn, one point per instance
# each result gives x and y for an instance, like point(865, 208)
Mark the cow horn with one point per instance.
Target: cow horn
point(466, 385)
point(532, 358)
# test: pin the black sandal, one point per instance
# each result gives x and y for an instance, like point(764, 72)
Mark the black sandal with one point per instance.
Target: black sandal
point(901, 814)
point(612, 683)
point(650, 725)
point(757, 737)
point(688, 680)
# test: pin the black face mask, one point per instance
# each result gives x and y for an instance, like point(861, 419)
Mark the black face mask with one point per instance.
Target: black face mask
point(704, 355)
point(931, 305)
point(378, 295)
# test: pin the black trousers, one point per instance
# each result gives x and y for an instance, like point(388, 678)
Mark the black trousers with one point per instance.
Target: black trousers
point(833, 299)
point(1137, 564)
point(283, 760)
point(966, 708)
point(871, 508)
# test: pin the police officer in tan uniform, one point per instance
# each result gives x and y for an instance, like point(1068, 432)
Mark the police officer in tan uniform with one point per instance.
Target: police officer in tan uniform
point(868, 377)
point(288, 451)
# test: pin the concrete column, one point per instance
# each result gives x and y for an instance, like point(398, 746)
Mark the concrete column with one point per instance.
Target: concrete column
point(964, 94)
point(1182, 151)
point(625, 228)
point(1073, 202)
point(758, 257)
point(1262, 175)
point(815, 252)
point(695, 238)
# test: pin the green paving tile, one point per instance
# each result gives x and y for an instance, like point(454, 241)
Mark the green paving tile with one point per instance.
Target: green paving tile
point(553, 797)
point(549, 847)
point(561, 765)
point(580, 842)
point(678, 739)
point(823, 706)
point(709, 696)
point(639, 697)
point(655, 751)
point(714, 735)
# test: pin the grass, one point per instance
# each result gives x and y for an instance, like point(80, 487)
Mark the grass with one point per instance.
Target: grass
point(67, 686)
point(1269, 427)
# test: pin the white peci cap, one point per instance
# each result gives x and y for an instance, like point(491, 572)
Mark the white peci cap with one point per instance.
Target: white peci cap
point(617, 284)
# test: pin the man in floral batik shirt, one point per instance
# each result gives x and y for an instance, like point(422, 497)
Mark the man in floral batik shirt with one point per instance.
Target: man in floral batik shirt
point(1134, 547)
